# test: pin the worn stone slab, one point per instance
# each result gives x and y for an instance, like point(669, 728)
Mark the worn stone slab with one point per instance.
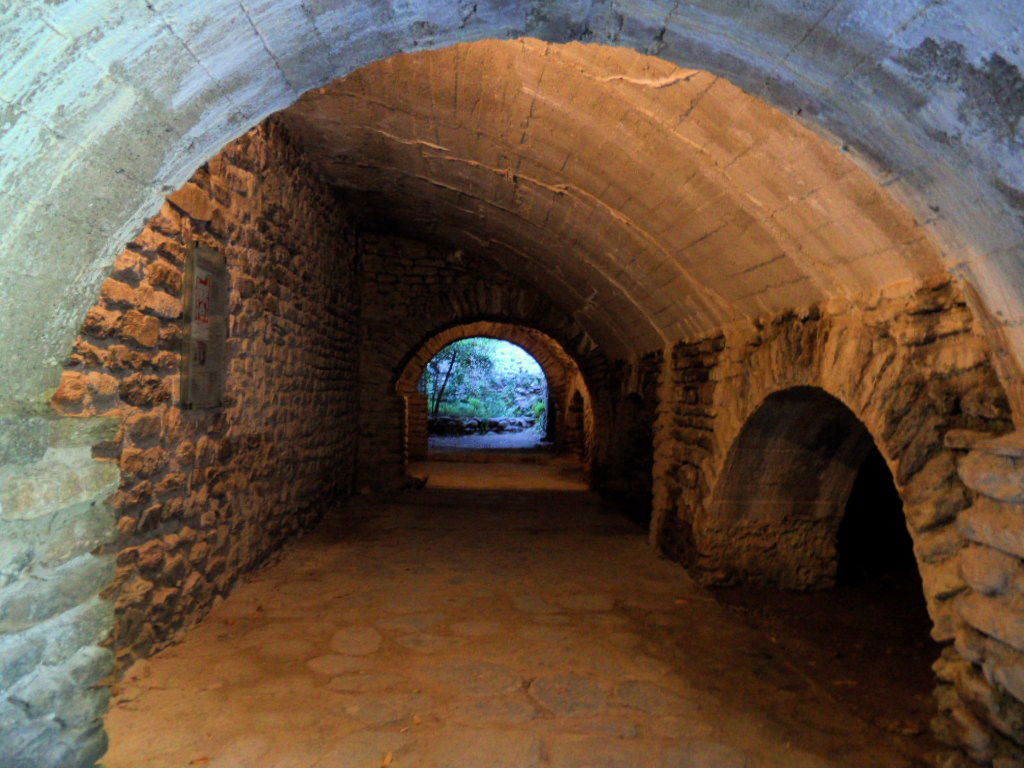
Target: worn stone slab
point(356, 641)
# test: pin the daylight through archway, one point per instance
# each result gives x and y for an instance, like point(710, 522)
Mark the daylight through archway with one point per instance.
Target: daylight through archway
point(486, 394)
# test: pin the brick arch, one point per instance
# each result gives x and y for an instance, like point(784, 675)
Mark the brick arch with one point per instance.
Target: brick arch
point(548, 353)
point(565, 378)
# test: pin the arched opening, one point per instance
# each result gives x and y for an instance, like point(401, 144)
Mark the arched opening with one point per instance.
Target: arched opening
point(806, 502)
point(632, 459)
point(485, 394)
point(873, 543)
point(544, 403)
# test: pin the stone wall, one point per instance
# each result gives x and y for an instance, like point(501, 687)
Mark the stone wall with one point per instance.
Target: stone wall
point(206, 496)
point(914, 371)
point(982, 690)
point(413, 293)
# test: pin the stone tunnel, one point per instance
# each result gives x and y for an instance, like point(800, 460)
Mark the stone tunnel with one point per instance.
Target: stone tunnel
point(768, 256)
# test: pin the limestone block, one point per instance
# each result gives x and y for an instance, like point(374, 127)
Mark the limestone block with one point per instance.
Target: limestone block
point(165, 276)
point(974, 735)
point(19, 655)
point(964, 439)
point(52, 591)
point(63, 477)
point(1010, 445)
point(143, 390)
point(117, 294)
point(68, 689)
point(994, 524)
point(1008, 671)
point(1001, 617)
point(72, 396)
point(942, 580)
point(970, 643)
point(101, 322)
point(144, 427)
point(139, 328)
point(129, 267)
point(158, 303)
point(987, 570)
point(998, 476)
point(53, 539)
point(937, 545)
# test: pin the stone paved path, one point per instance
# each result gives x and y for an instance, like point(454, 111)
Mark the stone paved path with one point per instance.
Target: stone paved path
point(486, 628)
point(507, 441)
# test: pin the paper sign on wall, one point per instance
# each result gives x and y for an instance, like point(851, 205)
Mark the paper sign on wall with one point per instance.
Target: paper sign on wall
point(203, 354)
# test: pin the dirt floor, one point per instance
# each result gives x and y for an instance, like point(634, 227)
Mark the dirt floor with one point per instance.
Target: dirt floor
point(504, 617)
point(867, 646)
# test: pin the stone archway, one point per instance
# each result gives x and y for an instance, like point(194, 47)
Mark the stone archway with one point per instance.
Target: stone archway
point(147, 93)
point(775, 512)
point(924, 395)
point(566, 381)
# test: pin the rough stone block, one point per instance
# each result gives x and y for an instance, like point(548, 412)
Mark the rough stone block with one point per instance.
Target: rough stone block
point(117, 294)
point(942, 580)
point(1002, 618)
point(194, 201)
point(987, 570)
point(72, 396)
point(142, 329)
point(994, 524)
point(52, 591)
point(996, 476)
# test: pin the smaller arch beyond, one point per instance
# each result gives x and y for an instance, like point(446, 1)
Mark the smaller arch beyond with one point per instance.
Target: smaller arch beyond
point(565, 378)
point(774, 513)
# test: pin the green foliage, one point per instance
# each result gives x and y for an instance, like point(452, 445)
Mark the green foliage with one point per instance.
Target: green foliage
point(484, 378)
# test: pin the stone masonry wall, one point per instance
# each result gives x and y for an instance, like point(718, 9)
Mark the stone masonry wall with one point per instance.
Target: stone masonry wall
point(913, 367)
point(206, 496)
point(982, 691)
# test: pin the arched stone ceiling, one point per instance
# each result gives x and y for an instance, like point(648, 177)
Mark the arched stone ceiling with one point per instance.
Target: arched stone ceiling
point(107, 105)
point(655, 203)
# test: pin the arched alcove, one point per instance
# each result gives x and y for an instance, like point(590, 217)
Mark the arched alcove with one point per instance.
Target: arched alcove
point(779, 502)
point(809, 527)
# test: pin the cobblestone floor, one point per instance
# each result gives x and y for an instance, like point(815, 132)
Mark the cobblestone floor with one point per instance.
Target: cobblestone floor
point(497, 627)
